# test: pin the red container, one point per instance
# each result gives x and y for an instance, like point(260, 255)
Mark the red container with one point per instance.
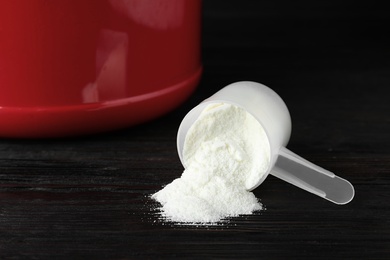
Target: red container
point(71, 67)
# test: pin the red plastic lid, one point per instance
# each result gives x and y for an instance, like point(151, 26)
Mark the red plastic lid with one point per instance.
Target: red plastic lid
point(69, 67)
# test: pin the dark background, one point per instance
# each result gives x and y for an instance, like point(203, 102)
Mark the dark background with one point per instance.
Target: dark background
point(87, 197)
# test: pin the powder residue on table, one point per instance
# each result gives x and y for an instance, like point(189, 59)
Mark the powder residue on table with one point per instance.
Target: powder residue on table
point(225, 151)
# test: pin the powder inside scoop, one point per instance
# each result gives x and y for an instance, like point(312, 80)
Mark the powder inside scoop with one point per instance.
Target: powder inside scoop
point(226, 151)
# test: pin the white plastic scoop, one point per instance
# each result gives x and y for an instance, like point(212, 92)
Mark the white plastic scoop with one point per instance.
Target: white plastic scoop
point(272, 113)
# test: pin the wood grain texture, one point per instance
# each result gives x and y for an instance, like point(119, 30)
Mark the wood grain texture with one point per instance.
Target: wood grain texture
point(88, 197)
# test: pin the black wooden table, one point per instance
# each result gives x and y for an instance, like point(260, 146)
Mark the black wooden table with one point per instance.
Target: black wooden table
point(88, 197)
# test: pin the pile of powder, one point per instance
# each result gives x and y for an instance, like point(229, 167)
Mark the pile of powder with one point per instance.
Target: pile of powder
point(225, 151)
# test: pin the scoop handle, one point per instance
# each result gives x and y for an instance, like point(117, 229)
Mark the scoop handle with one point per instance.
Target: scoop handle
point(294, 169)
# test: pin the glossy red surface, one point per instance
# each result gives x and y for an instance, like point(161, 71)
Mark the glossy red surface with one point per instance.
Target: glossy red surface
point(70, 67)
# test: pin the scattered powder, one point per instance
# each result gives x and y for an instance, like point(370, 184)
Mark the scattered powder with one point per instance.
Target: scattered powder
point(225, 151)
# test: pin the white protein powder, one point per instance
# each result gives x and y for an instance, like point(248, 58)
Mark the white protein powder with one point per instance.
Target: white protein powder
point(225, 152)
